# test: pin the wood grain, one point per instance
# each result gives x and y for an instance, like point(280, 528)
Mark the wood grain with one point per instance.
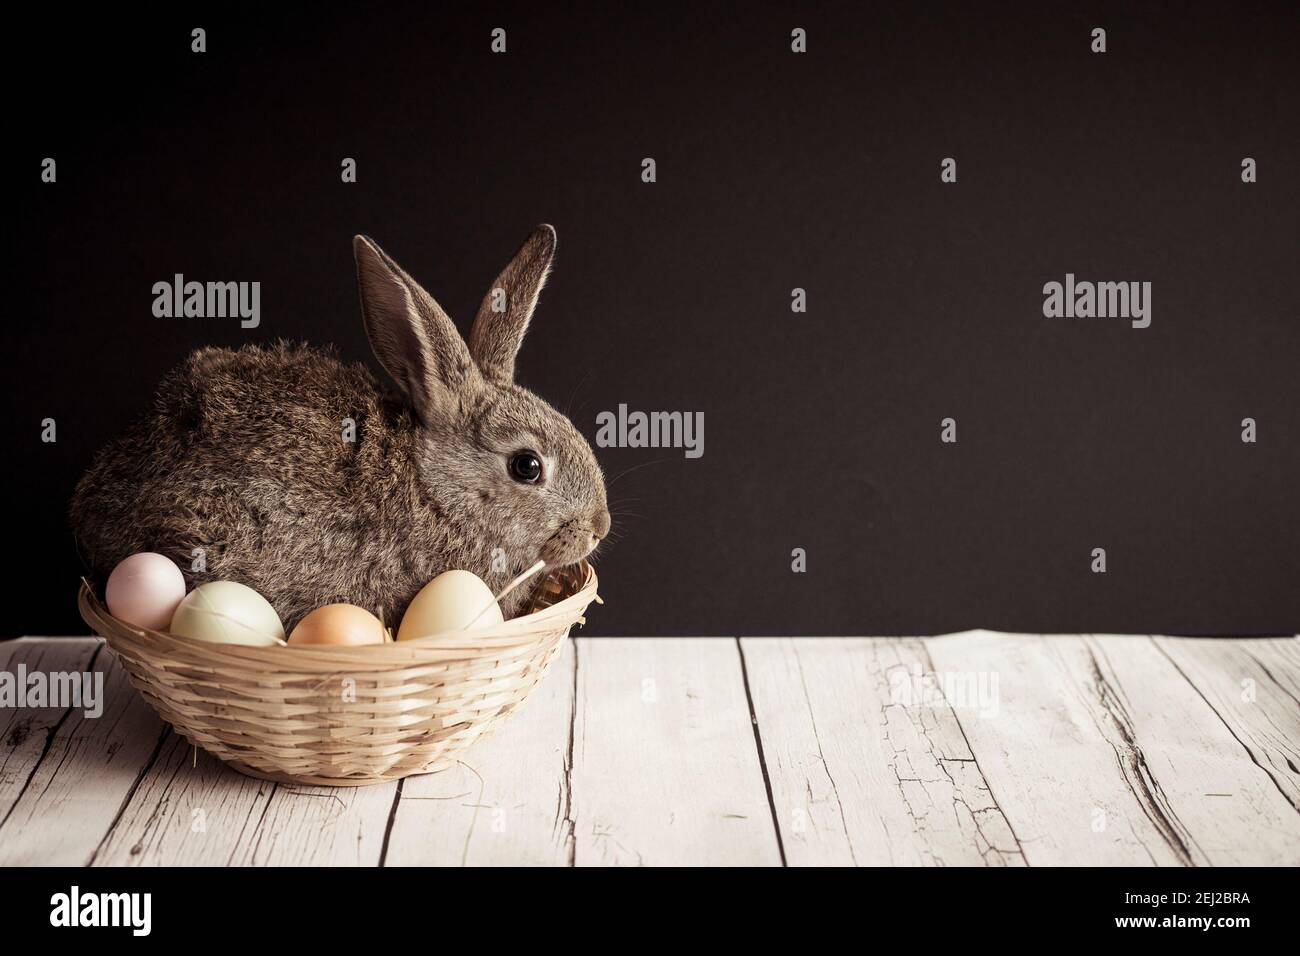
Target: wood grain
point(507, 801)
point(26, 733)
point(1060, 765)
point(319, 826)
point(665, 766)
point(1251, 685)
point(867, 762)
point(68, 776)
point(190, 809)
point(1105, 753)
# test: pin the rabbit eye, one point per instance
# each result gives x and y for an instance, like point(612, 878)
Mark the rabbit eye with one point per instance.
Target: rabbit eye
point(525, 466)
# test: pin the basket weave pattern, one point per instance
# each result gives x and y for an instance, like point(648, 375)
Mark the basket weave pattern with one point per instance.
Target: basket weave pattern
point(347, 716)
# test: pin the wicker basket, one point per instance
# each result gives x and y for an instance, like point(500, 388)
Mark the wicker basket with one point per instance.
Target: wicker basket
point(347, 716)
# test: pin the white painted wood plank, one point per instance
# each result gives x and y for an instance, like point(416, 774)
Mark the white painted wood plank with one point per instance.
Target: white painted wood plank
point(1251, 686)
point(24, 732)
point(506, 802)
point(319, 826)
point(665, 767)
point(189, 809)
point(1105, 754)
point(67, 778)
point(1281, 658)
point(1062, 767)
point(1225, 807)
point(866, 759)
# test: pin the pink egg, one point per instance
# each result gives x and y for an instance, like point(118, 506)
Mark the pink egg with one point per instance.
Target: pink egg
point(144, 590)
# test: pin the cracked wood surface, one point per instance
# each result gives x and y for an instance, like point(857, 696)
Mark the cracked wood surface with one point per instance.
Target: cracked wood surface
point(1253, 686)
point(1103, 752)
point(905, 790)
point(58, 806)
point(970, 749)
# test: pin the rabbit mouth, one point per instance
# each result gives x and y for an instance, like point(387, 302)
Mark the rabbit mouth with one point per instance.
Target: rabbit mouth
point(569, 545)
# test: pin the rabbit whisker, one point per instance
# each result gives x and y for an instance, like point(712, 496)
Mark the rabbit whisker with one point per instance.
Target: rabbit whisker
point(644, 464)
point(568, 407)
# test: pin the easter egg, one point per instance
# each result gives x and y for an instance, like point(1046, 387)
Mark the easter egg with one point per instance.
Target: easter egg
point(450, 602)
point(144, 590)
point(225, 612)
point(338, 624)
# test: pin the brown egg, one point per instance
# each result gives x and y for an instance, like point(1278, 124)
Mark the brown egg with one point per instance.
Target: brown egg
point(338, 624)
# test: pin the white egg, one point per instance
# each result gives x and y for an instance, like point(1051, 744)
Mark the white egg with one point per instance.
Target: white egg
point(450, 602)
point(225, 612)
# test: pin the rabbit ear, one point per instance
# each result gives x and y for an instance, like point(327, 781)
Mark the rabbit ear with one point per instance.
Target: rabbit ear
point(503, 317)
point(415, 341)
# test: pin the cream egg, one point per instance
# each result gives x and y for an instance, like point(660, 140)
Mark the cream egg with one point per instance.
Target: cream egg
point(450, 602)
point(225, 612)
point(145, 590)
point(338, 624)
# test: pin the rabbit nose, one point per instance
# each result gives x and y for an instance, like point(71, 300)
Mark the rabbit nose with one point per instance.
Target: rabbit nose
point(600, 524)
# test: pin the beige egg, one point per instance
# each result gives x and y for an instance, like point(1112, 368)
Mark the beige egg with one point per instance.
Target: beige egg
point(338, 624)
point(450, 602)
point(225, 612)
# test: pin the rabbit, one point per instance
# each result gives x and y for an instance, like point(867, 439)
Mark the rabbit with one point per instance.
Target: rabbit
point(244, 459)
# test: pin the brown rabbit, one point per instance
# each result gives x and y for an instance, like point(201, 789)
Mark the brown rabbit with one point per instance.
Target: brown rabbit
point(243, 460)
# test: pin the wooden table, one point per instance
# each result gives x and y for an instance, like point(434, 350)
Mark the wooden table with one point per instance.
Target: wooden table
point(969, 749)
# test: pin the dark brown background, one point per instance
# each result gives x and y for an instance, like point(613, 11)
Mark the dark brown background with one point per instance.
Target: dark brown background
point(775, 171)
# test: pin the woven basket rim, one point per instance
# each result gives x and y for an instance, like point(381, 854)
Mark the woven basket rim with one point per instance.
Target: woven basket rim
point(505, 639)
